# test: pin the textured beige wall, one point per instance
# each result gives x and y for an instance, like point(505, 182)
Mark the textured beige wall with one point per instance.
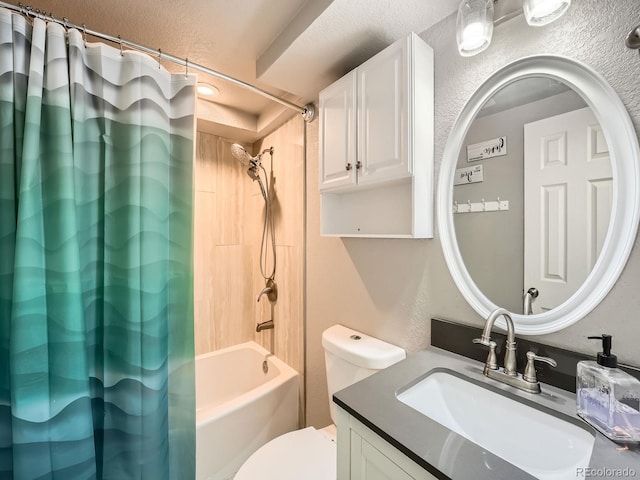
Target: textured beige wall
point(229, 214)
point(391, 288)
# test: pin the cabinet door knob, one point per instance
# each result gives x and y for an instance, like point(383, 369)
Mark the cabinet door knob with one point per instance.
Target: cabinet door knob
point(348, 167)
point(358, 165)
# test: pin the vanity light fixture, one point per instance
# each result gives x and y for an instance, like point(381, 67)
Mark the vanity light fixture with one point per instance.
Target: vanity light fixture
point(474, 26)
point(475, 21)
point(542, 12)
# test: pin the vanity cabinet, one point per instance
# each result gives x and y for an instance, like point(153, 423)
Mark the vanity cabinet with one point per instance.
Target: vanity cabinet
point(363, 455)
point(376, 146)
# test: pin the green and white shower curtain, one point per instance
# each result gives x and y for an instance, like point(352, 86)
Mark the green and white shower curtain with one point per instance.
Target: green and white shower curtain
point(96, 310)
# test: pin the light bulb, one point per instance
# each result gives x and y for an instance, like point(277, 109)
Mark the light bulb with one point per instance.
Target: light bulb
point(473, 36)
point(474, 26)
point(542, 12)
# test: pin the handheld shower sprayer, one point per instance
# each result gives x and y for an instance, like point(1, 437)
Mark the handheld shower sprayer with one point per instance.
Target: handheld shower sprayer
point(241, 154)
point(254, 167)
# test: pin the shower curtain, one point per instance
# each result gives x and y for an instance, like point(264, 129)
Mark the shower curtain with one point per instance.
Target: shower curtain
point(96, 310)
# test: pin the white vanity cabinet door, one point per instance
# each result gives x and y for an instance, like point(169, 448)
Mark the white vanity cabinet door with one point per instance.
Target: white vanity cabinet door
point(369, 463)
point(363, 455)
point(383, 127)
point(337, 149)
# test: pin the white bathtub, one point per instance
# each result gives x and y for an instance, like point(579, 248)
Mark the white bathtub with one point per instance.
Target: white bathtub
point(239, 408)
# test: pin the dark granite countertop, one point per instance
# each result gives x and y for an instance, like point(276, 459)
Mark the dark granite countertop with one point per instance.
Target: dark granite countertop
point(448, 455)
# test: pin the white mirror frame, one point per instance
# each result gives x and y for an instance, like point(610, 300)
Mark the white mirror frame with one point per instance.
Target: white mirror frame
point(625, 157)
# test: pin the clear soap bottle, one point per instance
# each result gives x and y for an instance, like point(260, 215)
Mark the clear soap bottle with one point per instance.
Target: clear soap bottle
point(607, 397)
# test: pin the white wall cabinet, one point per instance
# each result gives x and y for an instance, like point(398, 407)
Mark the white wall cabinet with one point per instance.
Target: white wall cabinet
point(363, 455)
point(376, 146)
point(338, 140)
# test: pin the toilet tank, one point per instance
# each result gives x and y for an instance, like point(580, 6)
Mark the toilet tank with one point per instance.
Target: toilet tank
point(351, 356)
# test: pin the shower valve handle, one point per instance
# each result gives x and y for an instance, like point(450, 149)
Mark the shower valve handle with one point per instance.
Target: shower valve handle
point(270, 290)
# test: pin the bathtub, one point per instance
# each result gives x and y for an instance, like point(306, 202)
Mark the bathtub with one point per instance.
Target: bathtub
point(240, 407)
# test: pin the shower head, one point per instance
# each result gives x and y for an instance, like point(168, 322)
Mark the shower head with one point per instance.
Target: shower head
point(241, 154)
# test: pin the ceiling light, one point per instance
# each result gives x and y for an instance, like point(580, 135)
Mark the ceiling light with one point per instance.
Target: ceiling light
point(207, 90)
point(474, 26)
point(543, 12)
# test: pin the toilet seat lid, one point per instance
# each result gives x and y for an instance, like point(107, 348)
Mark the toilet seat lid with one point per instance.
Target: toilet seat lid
point(306, 453)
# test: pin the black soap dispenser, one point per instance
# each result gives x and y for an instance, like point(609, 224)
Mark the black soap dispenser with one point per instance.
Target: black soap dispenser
point(607, 397)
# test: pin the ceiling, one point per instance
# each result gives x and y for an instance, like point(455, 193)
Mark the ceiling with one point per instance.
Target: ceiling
point(523, 92)
point(291, 48)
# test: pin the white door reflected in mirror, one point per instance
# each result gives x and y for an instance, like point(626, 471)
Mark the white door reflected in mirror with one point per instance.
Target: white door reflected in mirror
point(568, 194)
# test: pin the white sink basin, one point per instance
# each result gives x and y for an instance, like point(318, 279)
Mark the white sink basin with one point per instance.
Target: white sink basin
point(539, 443)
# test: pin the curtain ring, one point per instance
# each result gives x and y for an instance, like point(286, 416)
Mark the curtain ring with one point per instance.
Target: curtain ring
point(186, 68)
point(28, 12)
point(21, 6)
point(84, 34)
point(159, 57)
point(66, 22)
point(121, 53)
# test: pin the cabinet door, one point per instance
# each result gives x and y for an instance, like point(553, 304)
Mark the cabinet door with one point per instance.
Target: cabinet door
point(368, 463)
point(383, 116)
point(363, 455)
point(337, 147)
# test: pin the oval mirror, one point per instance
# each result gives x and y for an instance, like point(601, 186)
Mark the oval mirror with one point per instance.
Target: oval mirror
point(539, 193)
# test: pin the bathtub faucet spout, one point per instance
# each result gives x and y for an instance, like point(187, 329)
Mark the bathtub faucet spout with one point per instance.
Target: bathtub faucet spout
point(268, 325)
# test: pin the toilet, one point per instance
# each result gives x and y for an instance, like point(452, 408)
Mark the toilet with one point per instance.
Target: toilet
point(309, 453)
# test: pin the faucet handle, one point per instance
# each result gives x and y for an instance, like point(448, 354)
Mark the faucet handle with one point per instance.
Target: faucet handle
point(270, 290)
point(529, 374)
point(486, 341)
point(492, 359)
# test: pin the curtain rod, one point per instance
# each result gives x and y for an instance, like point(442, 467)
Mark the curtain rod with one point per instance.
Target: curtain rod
point(307, 112)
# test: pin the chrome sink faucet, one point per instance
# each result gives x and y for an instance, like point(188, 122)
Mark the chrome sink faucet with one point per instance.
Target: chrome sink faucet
point(510, 345)
point(527, 382)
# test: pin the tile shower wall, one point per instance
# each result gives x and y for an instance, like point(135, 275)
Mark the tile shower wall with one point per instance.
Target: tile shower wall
point(229, 214)
point(288, 194)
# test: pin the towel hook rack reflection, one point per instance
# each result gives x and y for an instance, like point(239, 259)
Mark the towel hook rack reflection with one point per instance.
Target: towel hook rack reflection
point(481, 206)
